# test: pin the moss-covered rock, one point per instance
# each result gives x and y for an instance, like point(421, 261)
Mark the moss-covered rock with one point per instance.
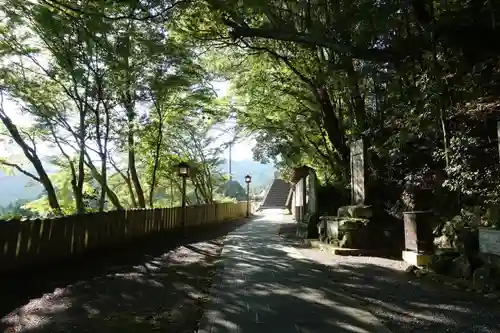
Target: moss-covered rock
point(355, 211)
point(347, 232)
point(442, 260)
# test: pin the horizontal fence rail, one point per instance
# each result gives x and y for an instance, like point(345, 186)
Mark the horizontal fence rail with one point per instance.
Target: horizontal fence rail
point(31, 243)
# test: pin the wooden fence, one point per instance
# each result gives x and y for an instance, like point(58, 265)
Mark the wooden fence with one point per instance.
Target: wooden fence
point(29, 243)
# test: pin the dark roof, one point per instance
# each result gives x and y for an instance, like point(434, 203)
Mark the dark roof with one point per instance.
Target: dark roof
point(299, 173)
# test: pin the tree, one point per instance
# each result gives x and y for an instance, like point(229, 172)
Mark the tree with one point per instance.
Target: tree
point(96, 88)
point(396, 74)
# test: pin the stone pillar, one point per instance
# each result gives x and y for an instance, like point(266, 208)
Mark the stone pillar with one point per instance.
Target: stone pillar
point(358, 172)
point(418, 237)
point(304, 195)
point(299, 197)
point(313, 192)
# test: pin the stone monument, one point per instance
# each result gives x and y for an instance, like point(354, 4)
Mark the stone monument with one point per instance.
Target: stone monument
point(489, 241)
point(358, 195)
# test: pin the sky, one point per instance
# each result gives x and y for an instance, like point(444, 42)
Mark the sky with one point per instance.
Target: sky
point(242, 150)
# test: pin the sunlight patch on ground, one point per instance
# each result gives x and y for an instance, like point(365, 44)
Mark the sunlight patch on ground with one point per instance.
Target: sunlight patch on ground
point(272, 215)
point(290, 251)
point(440, 306)
point(37, 312)
point(347, 327)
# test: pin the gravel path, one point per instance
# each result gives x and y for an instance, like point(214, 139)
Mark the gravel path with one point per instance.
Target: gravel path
point(401, 301)
point(158, 286)
point(266, 286)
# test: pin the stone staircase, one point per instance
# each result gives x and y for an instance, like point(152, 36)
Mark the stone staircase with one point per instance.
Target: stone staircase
point(276, 195)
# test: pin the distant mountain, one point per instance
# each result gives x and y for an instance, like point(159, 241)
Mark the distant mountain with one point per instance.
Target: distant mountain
point(262, 174)
point(17, 187)
point(20, 186)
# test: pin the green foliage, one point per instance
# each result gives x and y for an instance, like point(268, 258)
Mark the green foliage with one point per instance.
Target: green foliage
point(118, 101)
point(15, 210)
point(233, 189)
point(414, 81)
point(123, 96)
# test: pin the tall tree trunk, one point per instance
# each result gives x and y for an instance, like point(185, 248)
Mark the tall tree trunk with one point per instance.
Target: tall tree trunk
point(171, 192)
point(205, 176)
point(103, 149)
point(32, 156)
point(80, 206)
point(95, 173)
point(126, 179)
point(47, 183)
point(129, 104)
point(104, 173)
point(438, 76)
point(201, 188)
point(159, 141)
point(131, 189)
point(332, 125)
point(131, 158)
point(78, 195)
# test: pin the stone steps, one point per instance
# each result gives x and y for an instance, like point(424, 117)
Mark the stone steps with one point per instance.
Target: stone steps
point(277, 195)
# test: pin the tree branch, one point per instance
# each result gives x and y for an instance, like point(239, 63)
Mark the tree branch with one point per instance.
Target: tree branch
point(369, 54)
point(20, 169)
point(59, 5)
point(285, 60)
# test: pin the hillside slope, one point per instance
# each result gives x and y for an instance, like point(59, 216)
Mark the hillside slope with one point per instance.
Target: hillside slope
point(17, 187)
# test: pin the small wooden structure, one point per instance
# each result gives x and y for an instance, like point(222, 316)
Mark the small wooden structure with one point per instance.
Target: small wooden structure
point(302, 198)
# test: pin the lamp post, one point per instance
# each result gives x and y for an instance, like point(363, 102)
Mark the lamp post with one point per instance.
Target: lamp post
point(183, 172)
point(248, 180)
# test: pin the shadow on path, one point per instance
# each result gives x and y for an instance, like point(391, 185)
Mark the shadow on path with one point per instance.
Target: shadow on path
point(402, 302)
point(158, 283)
point(270, 284)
